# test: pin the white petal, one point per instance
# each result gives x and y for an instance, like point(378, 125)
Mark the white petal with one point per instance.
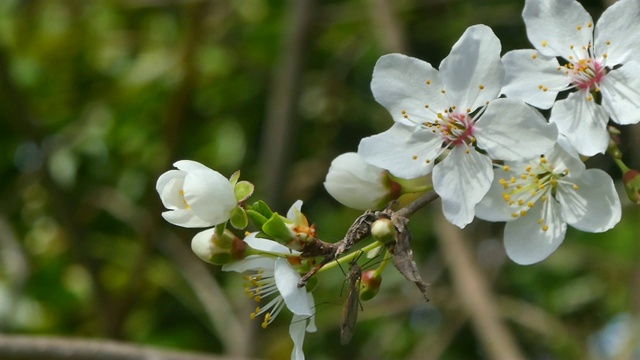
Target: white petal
point(312, 320)
point(462, 180)
point(524, 240)
point(185, 218)
point(595, 206)
point(287, 283)
point(266, 245)
point(558, 27)
point(201, 244)
point(169, 186)
point(619, 25)
point(251, 263)
point(190, 165)
point(621, 93)
point(297, 332)
point(296, 207)
point(583, 122)
point(533, 78)
point(402, 83)
point(210, 195)
point(493, 207)
point(354, 183)
point(511, 130)
point(407, 152)
point(473, 73)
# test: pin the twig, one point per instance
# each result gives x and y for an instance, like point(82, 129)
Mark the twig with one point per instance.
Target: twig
point(20, 347)
point(417, 204)
point(475, 294)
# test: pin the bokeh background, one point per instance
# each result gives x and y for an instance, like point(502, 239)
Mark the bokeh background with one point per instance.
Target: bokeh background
point(97, 98)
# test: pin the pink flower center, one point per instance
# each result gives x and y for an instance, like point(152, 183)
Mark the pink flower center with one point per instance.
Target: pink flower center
point(456, 129)
point(586, 74)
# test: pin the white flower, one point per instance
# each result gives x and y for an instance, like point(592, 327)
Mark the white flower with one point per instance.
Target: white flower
point(454, 109)
point(273, 276)
point(540, 197)
point(603, 70)
point(356, 184)
point(195, 195)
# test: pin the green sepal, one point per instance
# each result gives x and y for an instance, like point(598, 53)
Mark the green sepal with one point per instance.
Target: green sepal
point(239, 218)
point(277, 229)
point(233, 179)
point(220, 258)
point(257, 219)
point(242, 190)
point(262, 208)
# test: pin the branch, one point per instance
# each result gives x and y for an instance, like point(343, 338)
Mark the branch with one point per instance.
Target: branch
point(417, 204)
point(476, 296)
point(14, 347)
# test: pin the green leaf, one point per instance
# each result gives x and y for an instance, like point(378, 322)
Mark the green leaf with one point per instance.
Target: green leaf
point(276, 229)
point(256, 218)
point(239, 219)
point(243, 190)
point(233, 179)
point(262, 208)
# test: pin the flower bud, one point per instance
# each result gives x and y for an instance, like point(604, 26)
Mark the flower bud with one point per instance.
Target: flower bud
point(216, 248)
point(383, 230)
point(370, 284)
point(631, 180)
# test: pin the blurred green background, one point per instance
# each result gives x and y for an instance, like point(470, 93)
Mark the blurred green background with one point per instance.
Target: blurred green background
point(97, 98)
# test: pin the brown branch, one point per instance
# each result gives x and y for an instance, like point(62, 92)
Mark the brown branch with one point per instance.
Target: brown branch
point(19, 347)
point(475, 293)
point(279, 124)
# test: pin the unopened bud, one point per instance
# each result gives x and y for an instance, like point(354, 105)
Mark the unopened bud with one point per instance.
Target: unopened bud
point(383, 230)
point(217, 248)
point(631, 180)
point(370, 284)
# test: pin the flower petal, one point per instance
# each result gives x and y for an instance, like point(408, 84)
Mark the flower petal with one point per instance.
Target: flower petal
point(462, 180)
point(402, 83)
point(185, 218)
point(296, 208)
point(558, 27)
point(297, 332)
point(287, 283)
point(266, 245)
point(356, 184)
point(533, 78)
point(620, 90)
point(407, 152)
point(511, 130)
point(169, 186)
point(493, 207)
point(594, 206)
point(472, 73)
point(524, 240)
point(617, 32)
point(251, 263)
point(210, 195)
point(583, 122)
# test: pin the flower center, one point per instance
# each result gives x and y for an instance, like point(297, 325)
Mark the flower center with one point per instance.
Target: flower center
point(455, 128)
point(533, 184)
point(586, 74)
point(258, 286)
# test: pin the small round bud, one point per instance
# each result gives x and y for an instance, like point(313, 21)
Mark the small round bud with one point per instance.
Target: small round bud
point(631, 180)
point(370, 284)
point(383, 230)
point(216, 248)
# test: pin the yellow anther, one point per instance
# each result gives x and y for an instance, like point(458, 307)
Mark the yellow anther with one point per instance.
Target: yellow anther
point(523, 176)
point(571, 47)
point(414, 157)
point(511, 202)
point(576, 187)
point(533, 56)
point(530, 204)
point(442, 91)
point(428, 82)
point(466, 151)
point(540, 87)
point(608, 42)
point(514, 215)
point(512, 180)
point(543, 198)
point(579, 27)
point(523, 212)
point(589, 24)
point(545, 89)
point(545, 227)
point(528, 168)
point(502, 181)
point(520, 202)
point(544, 43)
point(506, 197)
point(427, 161)
point(604, 55)
point(543, 160)
point(540, 221)
point(481, 87)
point(505, 168)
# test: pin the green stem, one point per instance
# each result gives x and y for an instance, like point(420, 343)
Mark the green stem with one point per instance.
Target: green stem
point(348, 258)
point(616, 155)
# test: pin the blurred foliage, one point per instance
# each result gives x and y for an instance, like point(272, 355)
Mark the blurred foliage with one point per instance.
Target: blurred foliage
point(97, 98)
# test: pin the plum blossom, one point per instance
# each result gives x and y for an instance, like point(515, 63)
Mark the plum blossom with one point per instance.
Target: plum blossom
point(453, 113)
point(538, 198)
point(599, 63)
point(271, 275)
point(195, 195)
point(356, 184)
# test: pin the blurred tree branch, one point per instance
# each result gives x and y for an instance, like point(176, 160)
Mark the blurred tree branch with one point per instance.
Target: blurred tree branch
point(475, 293)
point(19, 347)
point(279, 131)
